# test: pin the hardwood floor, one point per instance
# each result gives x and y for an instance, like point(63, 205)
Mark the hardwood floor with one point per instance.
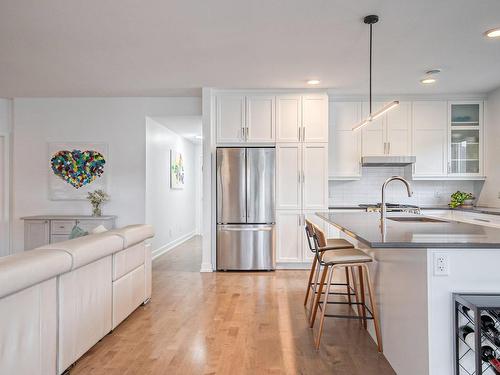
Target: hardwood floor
point(228, 323)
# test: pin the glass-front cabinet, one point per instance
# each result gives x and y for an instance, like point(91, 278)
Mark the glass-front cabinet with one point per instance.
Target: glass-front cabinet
point(465, 138)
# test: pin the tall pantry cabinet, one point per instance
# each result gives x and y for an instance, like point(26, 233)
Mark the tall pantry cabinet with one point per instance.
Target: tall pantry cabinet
point(301, 171)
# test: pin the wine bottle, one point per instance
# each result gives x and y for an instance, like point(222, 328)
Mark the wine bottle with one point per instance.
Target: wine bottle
point(495, 314)
point(467, 334)
point(468, 312)
point(488, 355)
point(488, 325)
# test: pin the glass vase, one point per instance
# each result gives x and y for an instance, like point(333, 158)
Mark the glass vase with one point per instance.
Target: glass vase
point(96, 210)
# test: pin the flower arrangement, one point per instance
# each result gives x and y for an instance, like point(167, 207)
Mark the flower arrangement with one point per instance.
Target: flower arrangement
point(96, 198)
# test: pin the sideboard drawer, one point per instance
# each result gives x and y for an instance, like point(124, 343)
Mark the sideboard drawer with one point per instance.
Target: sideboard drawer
point(61, 226)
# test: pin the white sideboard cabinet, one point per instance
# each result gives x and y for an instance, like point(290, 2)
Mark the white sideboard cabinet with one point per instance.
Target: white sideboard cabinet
point(43, 230)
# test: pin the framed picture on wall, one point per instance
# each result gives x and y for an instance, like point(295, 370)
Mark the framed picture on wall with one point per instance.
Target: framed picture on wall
point(76, 168)
point(176, 170)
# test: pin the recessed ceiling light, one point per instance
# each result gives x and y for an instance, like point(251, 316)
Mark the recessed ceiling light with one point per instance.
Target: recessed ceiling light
point(428, 80)
point(313, 82)
point(493, 33)
point(429, 76)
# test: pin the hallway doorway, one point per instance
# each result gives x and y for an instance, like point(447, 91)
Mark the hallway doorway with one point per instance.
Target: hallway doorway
point(173, 180)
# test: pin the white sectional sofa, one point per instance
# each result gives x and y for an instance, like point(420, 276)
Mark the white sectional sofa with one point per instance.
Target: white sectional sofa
point(59, 300)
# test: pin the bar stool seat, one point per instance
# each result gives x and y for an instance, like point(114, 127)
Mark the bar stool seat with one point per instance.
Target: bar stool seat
point(346, 256)
point(336, 243)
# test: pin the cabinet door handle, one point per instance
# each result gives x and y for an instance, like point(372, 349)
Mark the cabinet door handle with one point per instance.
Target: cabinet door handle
point(388, 147)
point(385, 148)
point(242, 133)
point(246, 138)
point(304, 133)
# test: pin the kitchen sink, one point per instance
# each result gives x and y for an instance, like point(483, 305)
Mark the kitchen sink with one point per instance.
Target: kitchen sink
point(417, 219)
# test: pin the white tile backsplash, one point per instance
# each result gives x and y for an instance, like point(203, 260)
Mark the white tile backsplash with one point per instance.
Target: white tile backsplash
point(368, 189)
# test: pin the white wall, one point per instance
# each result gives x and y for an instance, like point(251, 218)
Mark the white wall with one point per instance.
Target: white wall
point(120, 122)
point(198, 150)
point(368, 189)
point(490, 194)
point(171, 211)
point(5, 127)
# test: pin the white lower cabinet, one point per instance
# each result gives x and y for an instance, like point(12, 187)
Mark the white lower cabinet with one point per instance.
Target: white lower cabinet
point(291, 242)
point(289, 236)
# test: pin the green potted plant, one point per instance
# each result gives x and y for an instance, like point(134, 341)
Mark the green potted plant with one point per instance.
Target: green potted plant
point(460, 198)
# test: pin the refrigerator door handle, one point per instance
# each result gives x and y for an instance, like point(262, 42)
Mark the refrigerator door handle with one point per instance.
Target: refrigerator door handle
point(246, 228)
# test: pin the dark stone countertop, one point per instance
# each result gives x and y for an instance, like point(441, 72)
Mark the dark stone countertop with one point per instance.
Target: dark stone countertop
point(477, 210)
point(366, 227)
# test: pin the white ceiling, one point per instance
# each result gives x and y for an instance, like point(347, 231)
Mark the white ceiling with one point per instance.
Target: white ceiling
point(188, 127)
point(167, 47)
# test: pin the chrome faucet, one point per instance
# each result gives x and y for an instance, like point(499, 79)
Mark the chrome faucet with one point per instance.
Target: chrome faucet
point(383, 211)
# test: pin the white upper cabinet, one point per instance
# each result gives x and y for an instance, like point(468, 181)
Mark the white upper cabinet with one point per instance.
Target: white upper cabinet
point(344, 154)
point(398, 130)
point(390, 133)
point(430, 138)
point(230, 118)
point(315, 118)
point(260, 118)
point(288, 118)
point(301, 176)
point(373, 134)
point(289, 176)
point(465, 138)
point(242, 118)
point(302, 118)
point(315, 176)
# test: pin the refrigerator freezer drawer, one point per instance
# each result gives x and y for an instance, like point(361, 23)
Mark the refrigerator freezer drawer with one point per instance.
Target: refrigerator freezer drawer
point(245, 247)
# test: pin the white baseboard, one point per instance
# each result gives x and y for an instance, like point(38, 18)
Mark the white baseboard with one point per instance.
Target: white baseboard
point(294, 266)
point(166, 248)
point(206, 267)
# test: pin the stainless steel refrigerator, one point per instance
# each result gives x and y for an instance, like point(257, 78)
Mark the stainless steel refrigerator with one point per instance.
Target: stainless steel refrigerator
point(245, 208)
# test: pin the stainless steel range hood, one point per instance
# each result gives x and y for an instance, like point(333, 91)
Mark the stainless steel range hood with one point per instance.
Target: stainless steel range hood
point(387, 161)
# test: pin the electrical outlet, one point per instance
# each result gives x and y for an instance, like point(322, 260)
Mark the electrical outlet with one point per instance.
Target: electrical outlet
point(441, 265)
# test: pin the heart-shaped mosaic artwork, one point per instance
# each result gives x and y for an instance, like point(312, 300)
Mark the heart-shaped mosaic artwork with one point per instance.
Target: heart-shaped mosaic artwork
point(78, 168)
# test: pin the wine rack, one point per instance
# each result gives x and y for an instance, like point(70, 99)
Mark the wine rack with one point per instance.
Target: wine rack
point(477, 334)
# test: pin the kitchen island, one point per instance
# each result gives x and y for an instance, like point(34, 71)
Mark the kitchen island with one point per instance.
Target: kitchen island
point(414, 295)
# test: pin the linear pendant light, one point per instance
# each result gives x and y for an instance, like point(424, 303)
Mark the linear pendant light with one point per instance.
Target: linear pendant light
point(370, 20)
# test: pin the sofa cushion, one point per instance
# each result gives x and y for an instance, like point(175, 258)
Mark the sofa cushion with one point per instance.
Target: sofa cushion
point(20, 271)
point(87, 249)
point(133, 234)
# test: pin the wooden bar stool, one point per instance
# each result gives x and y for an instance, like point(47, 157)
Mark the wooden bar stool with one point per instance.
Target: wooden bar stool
point(325, 245)
point(348, 259)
